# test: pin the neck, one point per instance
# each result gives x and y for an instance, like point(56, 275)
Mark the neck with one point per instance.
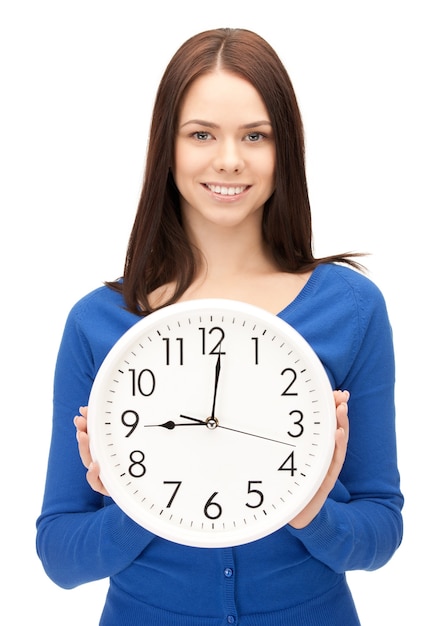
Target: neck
point(227, 248)
point(232, 254)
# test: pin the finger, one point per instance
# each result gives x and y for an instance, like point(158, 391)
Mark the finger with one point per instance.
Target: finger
point(337, 462)
point(84, 447)
point(94, 480)
point(342, 418)
point(80, 423)
point(341, 396)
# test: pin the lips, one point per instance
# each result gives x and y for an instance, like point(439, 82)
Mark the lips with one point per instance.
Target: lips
point(229, 190)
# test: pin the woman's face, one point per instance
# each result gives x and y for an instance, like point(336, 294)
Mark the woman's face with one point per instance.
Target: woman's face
point(224, 152)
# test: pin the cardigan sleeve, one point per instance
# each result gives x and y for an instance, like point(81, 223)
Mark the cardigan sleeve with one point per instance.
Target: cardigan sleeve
point(81, 536)
point(360, 525)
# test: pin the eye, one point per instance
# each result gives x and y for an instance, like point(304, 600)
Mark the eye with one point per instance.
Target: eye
point(255, 137)
point(201, 135)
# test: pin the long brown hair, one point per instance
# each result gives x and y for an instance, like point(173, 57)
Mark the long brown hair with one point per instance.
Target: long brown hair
point(159, 251)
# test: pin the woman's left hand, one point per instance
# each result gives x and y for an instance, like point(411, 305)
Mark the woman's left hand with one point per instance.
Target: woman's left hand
point(341, 439)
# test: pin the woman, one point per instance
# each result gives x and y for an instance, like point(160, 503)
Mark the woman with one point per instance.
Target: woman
point(224, 212)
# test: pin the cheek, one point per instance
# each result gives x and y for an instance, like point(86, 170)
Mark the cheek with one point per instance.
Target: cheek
point(267, 163)
point(184, 173)
point(186, 165)
point(269, 169)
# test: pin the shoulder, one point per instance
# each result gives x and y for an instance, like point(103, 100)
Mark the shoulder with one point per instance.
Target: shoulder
point(97, 321)
point(343, 277)
point(346, 292)
point(340, 292)
point(101, 309)
point(100, 300)
point(339, 312)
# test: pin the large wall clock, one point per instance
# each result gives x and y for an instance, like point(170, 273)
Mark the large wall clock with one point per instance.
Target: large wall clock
point(213, 422)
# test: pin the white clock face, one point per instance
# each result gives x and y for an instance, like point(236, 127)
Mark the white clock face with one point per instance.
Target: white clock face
point(213, 423)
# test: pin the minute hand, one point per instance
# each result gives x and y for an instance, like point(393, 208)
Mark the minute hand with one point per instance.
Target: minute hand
point(243, 432)
point(216, 424)
point(217, 377)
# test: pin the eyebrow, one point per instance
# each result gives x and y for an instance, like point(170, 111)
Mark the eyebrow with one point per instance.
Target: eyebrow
point(213, 125)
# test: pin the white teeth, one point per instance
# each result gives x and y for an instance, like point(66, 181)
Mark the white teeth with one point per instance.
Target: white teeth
point(226, 191)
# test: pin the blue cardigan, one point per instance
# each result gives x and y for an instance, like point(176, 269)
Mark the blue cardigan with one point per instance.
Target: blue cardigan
point(292, 577)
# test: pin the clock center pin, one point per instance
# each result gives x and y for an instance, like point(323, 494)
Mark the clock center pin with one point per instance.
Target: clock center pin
point(212, 423)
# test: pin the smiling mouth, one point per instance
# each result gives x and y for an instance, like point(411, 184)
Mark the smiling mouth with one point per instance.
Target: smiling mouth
point(227, 190)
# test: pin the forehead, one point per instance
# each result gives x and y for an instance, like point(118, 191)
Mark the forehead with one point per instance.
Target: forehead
point(222, 93)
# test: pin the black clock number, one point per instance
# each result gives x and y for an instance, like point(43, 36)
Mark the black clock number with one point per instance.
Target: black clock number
point(298, 423)
point(219, 334)
point(212, 509)
point(168, 350)
point(256, 350)
point(288, 465)
point(130, 419)
point(136, 468)
point(288, 391)
point(143, 382)
point(175, 491)
point(256, 491)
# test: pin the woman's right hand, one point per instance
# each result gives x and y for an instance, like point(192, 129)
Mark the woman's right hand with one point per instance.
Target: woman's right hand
point(80, 421)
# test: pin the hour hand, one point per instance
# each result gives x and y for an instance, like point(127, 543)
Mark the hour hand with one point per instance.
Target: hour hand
point(195, 420)
point(170, 424)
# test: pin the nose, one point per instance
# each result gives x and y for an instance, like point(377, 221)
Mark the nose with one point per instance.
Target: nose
point(228, 157)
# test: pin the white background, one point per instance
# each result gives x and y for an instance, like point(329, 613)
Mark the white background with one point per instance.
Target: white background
point(78, 80)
